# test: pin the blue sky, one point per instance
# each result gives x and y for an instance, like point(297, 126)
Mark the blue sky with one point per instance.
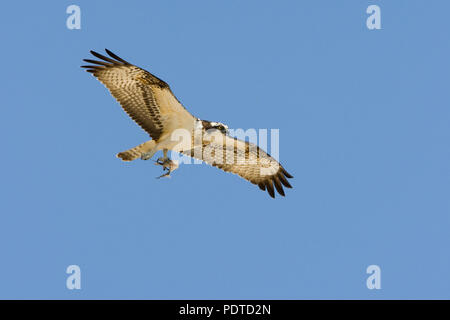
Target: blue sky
point(364, 128)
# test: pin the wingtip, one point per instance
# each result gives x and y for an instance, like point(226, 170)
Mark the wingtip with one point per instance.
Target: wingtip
point(115, 56)
point(269, 187)
point(287, 174)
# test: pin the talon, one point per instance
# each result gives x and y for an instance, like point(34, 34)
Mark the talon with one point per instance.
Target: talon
point(172, 165)
point(167, 174)
point(168, 165)
point(162, 161)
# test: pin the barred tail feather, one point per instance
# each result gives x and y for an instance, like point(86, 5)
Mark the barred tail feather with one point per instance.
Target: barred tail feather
point(136, 152)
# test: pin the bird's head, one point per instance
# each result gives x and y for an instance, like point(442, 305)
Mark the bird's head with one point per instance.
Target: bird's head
point(207, 125)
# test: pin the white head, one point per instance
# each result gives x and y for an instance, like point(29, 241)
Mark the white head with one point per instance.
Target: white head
point(215, 125)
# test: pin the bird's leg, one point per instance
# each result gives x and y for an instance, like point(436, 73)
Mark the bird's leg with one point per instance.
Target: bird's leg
point(164, 161)
point(167, 164)
point(167, 174)
point(171, 167)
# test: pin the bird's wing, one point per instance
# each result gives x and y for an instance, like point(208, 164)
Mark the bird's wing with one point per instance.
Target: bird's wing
point(147, 99)
point(244, 159)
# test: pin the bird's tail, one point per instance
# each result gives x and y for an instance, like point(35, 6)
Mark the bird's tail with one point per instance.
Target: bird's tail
point(136, 152)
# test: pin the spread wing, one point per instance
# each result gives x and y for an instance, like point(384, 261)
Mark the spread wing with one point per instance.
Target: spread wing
point(244, 159)
point(147, 99)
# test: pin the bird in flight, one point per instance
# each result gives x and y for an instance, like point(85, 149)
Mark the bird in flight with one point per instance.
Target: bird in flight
point(149, 101)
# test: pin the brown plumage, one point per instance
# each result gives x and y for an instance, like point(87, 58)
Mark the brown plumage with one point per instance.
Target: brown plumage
point(150, 102)
point(244, 159)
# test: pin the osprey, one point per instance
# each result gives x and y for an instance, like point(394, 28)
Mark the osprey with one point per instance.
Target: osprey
point(150, 102)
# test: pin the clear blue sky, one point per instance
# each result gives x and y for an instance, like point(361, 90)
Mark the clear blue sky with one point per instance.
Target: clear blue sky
point(364, 128)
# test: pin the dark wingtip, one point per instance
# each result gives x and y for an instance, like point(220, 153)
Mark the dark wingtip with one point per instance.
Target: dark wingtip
point(269, 187)
point(278, 185)
point(96, 63)
point(115, 56)
point(102, 57)
point(283, 180)
point(262, 186)
point(91, 67)
point(286, 173)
